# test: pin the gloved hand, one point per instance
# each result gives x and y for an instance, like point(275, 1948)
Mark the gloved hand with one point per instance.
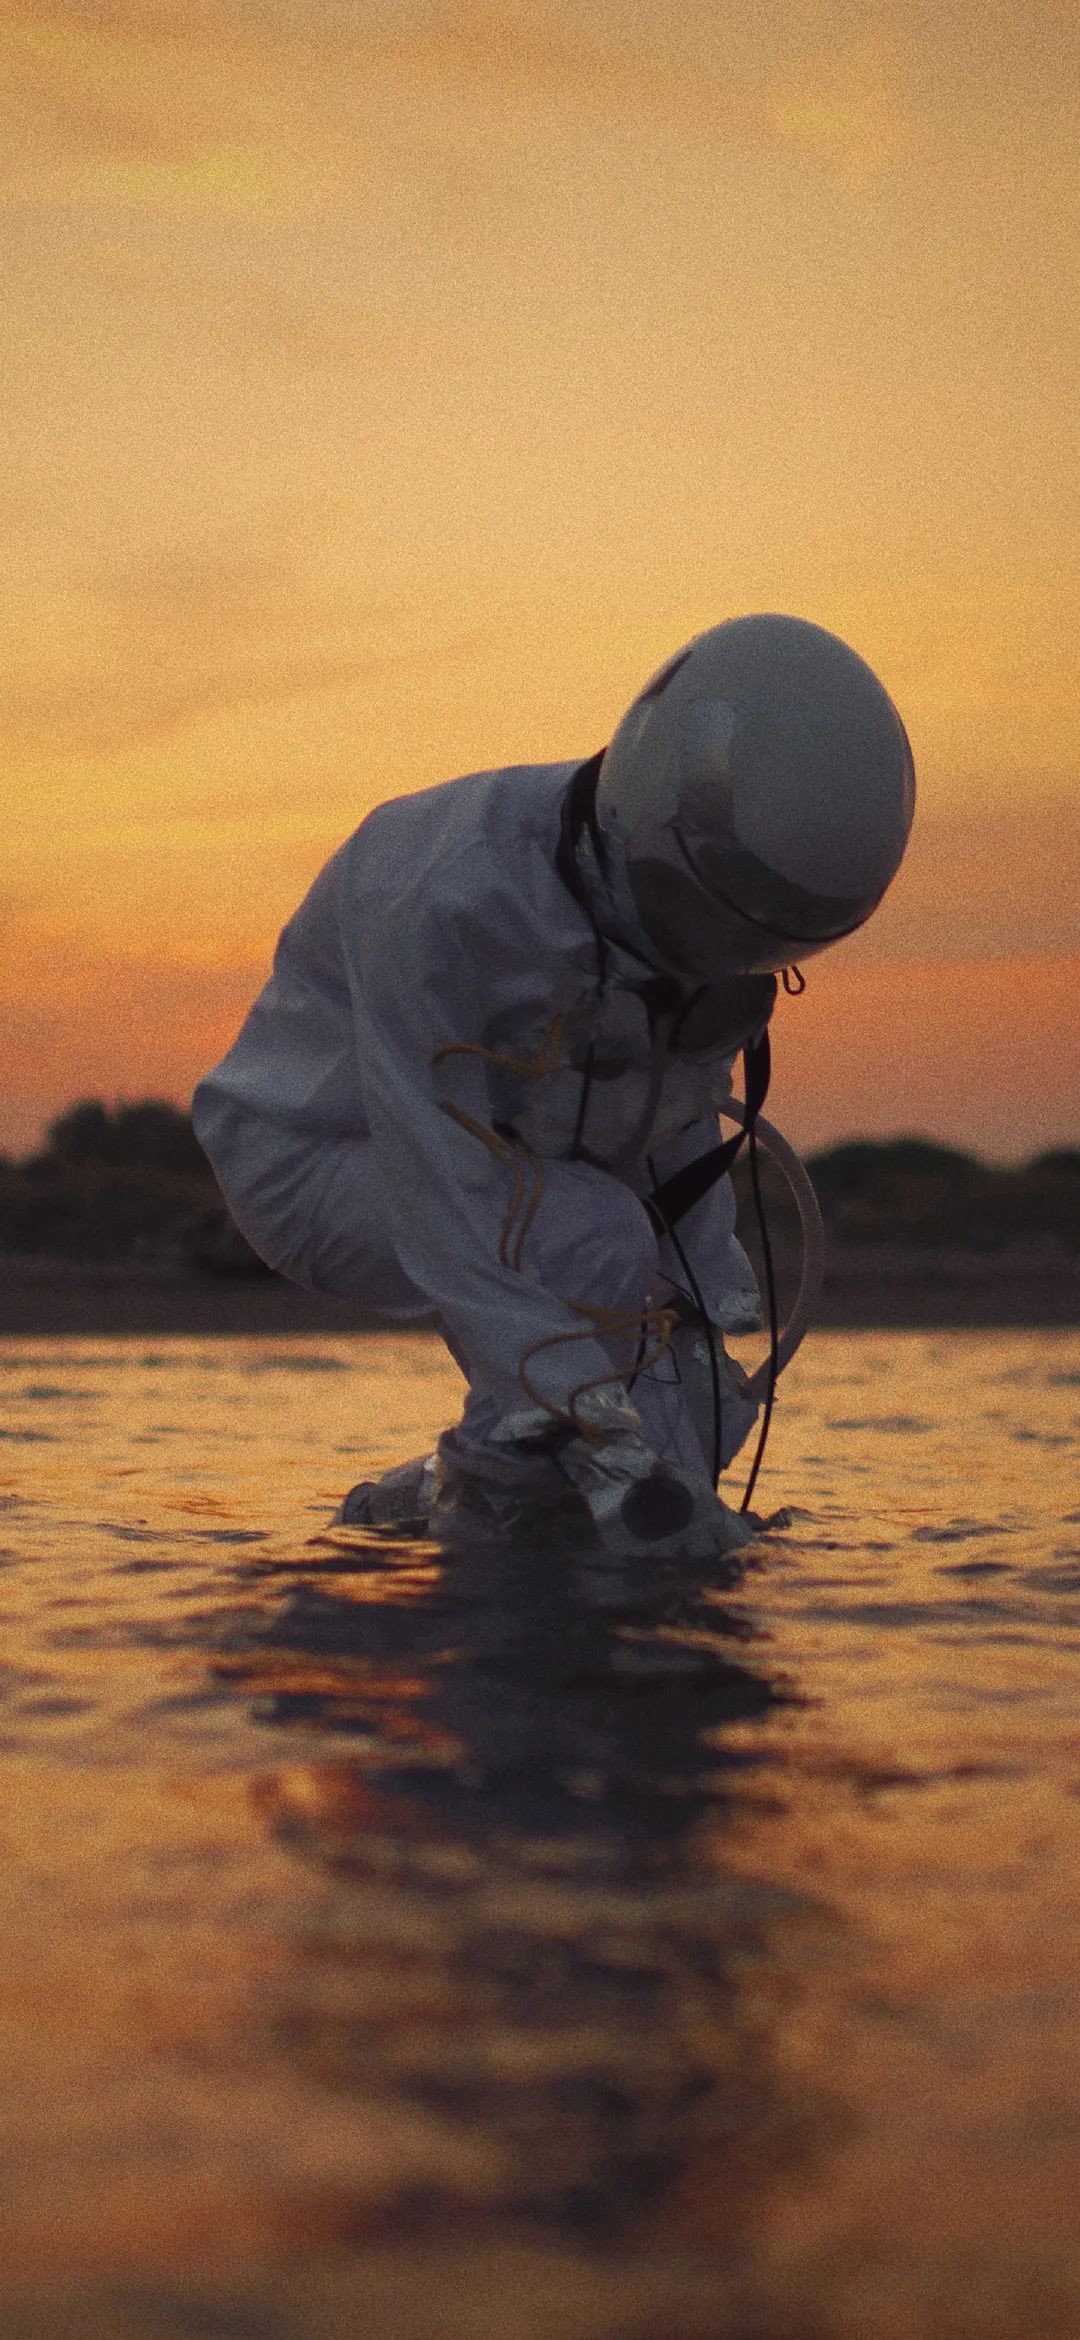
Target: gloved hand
point(602, 1484)
point(638, 1501)
point(695, 1349)
point(396, 1504)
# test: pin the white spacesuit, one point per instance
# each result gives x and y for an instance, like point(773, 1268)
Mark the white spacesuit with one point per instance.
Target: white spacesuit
point(501, 1023)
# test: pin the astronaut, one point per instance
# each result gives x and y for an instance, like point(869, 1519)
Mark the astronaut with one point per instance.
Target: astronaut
point(482, 1083)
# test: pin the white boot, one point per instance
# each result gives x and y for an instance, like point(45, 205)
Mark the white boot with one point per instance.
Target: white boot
point(397, 1504)
point(639, 1504)
point(609, 1491)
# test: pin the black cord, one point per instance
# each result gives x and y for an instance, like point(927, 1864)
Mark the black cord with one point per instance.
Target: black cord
point(584, 1094)
point(774, 1323)
point(585, 1091)
point(699, 1303)
point(639, 1359)
point(650, 1371)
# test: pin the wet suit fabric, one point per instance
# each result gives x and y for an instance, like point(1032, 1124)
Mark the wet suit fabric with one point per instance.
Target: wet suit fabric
point(437, 1011)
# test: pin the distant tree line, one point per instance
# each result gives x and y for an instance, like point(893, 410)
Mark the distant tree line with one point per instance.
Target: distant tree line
point(132, 1182)
point(122, 1182)
point(910, 1191)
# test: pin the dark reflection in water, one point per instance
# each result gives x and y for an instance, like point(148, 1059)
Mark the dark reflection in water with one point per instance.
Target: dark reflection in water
point(543, 1952)
point(497, 1949)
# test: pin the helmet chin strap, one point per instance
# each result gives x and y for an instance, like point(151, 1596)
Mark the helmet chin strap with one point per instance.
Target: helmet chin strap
point(601, 866)
point(591, 861)
point(670, 1201)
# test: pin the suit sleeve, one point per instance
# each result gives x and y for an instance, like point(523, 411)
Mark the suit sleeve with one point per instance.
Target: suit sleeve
point(423, 980)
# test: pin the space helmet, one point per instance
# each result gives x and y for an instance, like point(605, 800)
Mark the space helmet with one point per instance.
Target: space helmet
point(759, 795)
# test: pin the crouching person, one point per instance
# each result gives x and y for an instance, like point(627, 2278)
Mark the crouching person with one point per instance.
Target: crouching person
point(483, 1080)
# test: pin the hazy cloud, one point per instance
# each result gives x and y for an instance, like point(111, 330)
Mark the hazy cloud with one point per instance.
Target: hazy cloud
point(94, 1023)
point(231, 106)
point(842, 106)
point(194, 631)
point(949, 901)
point(944, 1048)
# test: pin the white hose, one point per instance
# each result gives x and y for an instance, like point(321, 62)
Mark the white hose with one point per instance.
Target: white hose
point(813, 1242)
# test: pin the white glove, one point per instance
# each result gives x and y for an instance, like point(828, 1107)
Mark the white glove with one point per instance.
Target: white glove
point(637, 1502)
point(640, 1503)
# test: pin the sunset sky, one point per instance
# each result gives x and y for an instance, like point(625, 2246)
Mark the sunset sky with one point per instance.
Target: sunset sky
point(390, 388)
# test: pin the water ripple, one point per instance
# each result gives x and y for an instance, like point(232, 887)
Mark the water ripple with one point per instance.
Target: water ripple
point(517, 1945)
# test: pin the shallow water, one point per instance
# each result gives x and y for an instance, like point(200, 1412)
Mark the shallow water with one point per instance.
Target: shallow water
point(401, 1950)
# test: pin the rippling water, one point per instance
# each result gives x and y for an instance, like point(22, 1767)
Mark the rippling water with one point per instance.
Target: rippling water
point(401, 1950)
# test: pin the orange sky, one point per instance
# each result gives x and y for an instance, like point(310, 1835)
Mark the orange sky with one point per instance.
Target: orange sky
point(390, 389)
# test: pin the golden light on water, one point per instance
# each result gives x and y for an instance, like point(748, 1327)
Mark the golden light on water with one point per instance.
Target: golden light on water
point(363, 1924)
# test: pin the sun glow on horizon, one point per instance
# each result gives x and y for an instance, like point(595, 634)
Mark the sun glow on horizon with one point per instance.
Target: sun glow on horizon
point(389, 395)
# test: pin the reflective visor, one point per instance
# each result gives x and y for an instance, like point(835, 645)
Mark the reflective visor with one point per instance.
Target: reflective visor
point(739, 915)
point(730, 874)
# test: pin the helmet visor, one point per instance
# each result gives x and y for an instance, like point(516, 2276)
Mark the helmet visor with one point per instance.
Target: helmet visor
point(719, 910)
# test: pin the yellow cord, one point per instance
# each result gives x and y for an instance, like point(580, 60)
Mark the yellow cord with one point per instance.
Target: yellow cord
point(514, 1157)
point(535, 1069)
point(661, 1322)
point(608, 1322)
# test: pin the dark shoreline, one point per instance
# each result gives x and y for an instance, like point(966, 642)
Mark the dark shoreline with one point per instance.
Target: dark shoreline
point(867, 1290)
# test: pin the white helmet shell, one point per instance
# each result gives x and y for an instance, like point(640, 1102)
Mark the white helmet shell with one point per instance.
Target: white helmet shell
point(759, 794)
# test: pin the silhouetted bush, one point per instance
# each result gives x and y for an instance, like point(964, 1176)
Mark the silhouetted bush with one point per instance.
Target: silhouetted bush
point(132, 1181)
point(90, 1210)
point(911, 1191)
point(148, 1136)
point(119, 1183)
point(908, 1190)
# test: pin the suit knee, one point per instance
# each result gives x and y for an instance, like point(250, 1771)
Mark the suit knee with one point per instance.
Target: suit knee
point(592, 1241)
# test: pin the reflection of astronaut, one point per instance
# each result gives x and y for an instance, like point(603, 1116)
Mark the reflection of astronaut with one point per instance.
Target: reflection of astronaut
point(497, 1031)
point(522, 1954)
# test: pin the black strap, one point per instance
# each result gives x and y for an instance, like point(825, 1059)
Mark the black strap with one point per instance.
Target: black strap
point(670, 1201)
point(578, 813)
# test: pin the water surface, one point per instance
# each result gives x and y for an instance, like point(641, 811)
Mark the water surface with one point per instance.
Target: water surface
point(400, 1949)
